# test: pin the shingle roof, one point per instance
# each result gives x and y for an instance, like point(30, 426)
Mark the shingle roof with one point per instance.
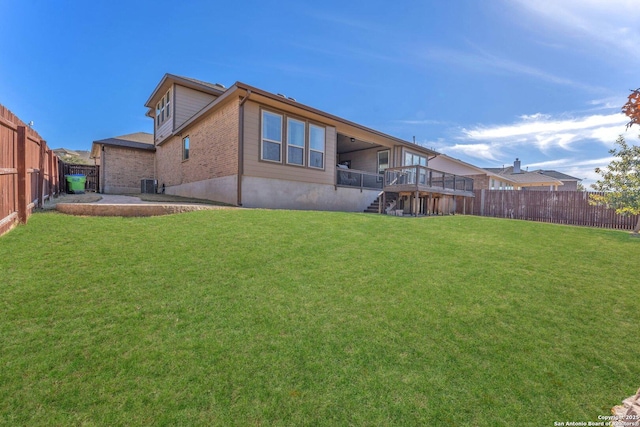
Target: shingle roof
point(558, 175)
point(138, 140)
point(168, 79)
point(216, 86)
point(524, 177)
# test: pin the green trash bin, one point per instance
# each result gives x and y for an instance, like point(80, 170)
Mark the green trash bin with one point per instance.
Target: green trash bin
point(75, 183)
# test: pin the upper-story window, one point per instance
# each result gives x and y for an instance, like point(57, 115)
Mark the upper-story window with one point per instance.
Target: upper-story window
point(412, 159)
point(163, 108)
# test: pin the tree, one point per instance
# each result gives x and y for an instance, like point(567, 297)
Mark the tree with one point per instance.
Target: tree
point(620, 181)
point(632, 108)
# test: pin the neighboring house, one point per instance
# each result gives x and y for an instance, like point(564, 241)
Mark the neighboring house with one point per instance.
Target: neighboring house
point(522, 180)
point(124, 162)
point(570, 183)
point(249, 147)
point(483, 179)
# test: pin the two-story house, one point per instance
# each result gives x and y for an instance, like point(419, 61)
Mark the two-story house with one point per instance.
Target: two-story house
point(249, 147)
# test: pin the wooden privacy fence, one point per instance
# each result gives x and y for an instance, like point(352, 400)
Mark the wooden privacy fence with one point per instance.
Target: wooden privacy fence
point(28, 171)
point(559, 207)
point(90, 171)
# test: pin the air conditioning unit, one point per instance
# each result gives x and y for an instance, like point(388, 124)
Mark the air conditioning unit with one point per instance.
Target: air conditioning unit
point(148, 186)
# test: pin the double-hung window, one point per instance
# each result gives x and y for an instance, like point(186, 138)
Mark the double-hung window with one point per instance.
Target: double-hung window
point(163, 108)
point(316, 146)
point(271, 137)
point(291, 138)
point(295, 142)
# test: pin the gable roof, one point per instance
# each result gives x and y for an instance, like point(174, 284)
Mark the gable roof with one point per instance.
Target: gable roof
point(558, 175)
point(138, 141)
point(525, 177)
point(240, 89)
point(168, 79)
point(479, 170)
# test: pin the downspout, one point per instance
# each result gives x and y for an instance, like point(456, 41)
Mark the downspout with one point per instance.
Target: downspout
point(103, 170)
point(241, 146)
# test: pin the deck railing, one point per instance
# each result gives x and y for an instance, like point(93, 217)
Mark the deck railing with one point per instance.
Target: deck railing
point(359, 179)
point(421, 176)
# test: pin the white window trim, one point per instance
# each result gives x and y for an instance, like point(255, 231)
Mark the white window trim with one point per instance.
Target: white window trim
point(324, 145)
point(414, 154)
point(304, 142)
point(263, 138)
point(163, 105)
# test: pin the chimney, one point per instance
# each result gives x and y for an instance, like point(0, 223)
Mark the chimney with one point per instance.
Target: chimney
point(516, 166)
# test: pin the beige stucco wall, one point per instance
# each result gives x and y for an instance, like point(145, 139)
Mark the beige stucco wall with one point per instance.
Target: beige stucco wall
point(213, 149)
point(123, 168)
point(281, 194)
point(224, 189)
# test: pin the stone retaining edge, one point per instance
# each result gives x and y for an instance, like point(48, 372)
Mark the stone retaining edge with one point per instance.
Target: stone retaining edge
point(128, 210)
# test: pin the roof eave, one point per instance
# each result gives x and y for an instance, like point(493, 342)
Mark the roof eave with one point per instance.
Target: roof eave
point(172, 78)
point(307, 108)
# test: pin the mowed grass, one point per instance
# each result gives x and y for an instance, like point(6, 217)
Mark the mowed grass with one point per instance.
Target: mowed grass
point(256, 317)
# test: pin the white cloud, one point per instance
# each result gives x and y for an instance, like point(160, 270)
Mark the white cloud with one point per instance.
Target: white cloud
point(487, 62)
point(610, 25)
point(478, 151)
point(534, 117)
point(545, 132)
point(563, 164)
point(539, 136)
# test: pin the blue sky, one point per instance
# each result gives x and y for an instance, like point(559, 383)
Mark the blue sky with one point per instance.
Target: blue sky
point(482, 81)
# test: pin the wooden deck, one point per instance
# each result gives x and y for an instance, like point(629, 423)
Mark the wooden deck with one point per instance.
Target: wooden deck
point(427, 191)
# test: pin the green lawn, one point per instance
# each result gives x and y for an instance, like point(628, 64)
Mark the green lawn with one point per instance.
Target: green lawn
point(255, 317)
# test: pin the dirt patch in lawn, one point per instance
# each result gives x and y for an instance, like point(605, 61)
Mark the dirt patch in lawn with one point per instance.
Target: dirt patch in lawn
point(168, 198)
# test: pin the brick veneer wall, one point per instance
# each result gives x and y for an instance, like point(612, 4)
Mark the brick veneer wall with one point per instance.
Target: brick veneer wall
point(124, 168)
point(213, 149)
point(480, 182)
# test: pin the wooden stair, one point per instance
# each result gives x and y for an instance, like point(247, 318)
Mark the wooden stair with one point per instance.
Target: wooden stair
point(374, 207)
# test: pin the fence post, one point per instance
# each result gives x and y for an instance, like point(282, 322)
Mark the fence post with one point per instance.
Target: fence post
point(52, 190)
point(482, 202)
point(41, 173)
point(21, 151)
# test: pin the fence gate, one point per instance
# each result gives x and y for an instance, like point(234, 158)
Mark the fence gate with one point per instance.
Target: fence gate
point(92, 172)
